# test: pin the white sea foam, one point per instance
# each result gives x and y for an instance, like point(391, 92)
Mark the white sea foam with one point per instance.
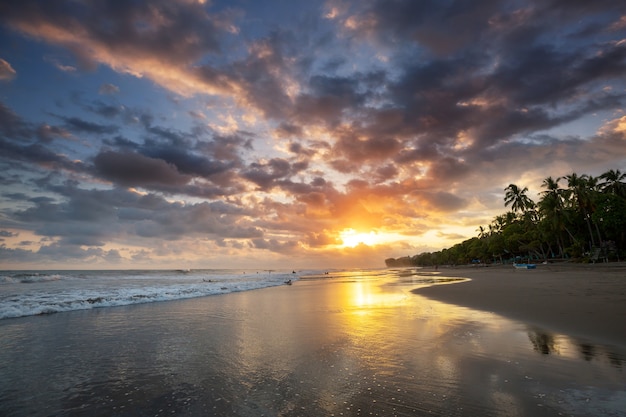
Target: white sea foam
point(32, 293)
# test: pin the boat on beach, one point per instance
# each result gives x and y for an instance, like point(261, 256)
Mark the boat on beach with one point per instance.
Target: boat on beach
point(524, 266)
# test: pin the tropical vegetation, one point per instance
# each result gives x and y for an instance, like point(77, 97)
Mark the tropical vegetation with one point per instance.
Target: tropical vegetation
point(577, 218)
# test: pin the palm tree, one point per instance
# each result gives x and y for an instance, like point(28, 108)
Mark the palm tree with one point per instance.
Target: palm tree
point(614, 182)
point(552, 185)
point(581, 189)
point(517, 199)
point(551, 206)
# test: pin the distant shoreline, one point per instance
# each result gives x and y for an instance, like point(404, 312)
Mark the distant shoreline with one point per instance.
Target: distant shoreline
point(581, 300)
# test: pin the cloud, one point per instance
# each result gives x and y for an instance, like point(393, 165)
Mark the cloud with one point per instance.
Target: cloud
point(47, 133)
point(266, 175)
point(133, 169)
point(92, 217)
point(12, 126)
point(160, 41)
point(80, 125)
point(614, 126)
point(108, 89)
point(443, 28)
point(359, 149)
point(250, 139)
point(7, 73)
point(39, 154)
point(62, 67)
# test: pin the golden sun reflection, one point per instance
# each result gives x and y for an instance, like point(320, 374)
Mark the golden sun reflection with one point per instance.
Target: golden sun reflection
point(367, 294)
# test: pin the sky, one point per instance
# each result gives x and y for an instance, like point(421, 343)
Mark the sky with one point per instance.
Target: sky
point(291, 134)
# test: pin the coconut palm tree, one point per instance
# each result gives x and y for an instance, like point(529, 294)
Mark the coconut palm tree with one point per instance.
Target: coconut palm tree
point(580, 190)
point(614, 182)
point(518, 200)
point(551, 207)
point(551, 185)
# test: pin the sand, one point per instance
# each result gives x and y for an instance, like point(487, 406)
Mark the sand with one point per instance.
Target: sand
point(348, 346)
point(587, 301)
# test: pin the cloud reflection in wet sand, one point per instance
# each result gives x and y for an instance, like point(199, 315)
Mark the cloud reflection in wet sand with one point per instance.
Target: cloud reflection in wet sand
point(348, 345)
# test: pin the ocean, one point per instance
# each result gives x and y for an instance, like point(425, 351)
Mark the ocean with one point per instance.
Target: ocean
point(240, 343)
point(27, 293)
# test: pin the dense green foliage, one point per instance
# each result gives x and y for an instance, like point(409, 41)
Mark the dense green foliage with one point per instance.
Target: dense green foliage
point(583, 221)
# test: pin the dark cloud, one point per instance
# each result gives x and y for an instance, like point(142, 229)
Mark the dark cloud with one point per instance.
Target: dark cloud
point(385, 172)
point(106, 110)
point(358, 149)
point(265, 175)
point(544, 74)
point(20, 255)
point(172, 31)
point(301, 149)
point(92, 217)
point(41, 155)
point(47, 133)
point(449, 169)
point(56, 251)
point(134, 169)
point(289, 130)
point(331, 99)
point(275, 245)
point(444, 27)
point(171, 136)
point(80, 125)
point(263, 72)
point(187, 163)
point(227, 148)
point(12, 126)
point(443, 201)
point(122, 143)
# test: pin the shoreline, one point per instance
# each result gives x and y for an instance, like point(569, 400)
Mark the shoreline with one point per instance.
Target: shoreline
point(356, 345)
point(587, 301)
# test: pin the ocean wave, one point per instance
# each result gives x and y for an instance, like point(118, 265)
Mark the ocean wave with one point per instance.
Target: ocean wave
point(28, 278)
point(29, 294)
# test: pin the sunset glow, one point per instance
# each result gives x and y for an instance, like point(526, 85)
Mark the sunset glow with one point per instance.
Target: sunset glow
point(352, 238)
point(337, 133)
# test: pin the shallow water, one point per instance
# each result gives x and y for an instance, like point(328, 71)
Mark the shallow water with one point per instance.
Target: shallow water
point(347, 345)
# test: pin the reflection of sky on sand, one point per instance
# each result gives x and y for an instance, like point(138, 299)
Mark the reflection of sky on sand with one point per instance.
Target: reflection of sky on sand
point(344, 346)
point(379, 349)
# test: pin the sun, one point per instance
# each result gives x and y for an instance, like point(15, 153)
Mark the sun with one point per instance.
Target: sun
point(352, 238)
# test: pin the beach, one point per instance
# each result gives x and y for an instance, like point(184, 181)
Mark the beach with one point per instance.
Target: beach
point(585, 300)
point(353, 344)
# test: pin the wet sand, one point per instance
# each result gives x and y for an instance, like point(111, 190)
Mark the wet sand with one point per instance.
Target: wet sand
point(587, 301)
point(353, 345)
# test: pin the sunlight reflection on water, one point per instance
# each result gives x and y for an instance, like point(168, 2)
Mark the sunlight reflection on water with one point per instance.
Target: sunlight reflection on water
point(348, 345)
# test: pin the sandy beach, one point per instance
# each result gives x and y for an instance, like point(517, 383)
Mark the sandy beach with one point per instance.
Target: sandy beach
point(584, 300)
point(355, 344)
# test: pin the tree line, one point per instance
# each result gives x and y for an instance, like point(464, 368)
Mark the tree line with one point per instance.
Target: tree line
point(577, 217)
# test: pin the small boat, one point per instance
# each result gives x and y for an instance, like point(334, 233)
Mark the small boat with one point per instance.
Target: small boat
point(524, 266)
